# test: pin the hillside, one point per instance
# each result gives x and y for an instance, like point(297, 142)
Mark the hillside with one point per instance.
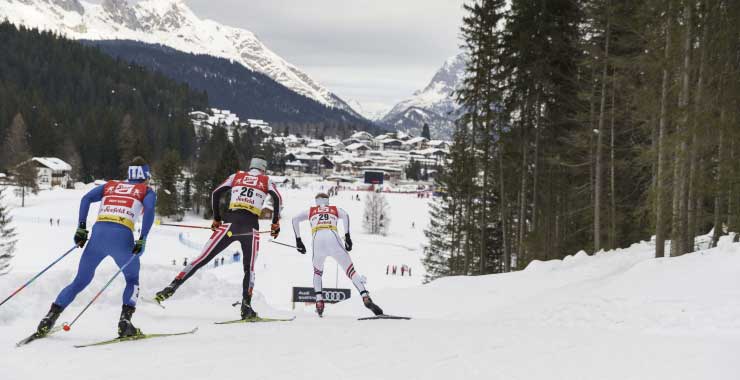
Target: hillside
point(615, 315)
point(167, 22)
point(230, 85)
point(77, 101)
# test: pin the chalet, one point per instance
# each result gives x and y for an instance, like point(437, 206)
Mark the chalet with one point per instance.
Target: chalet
point(52, 172)
point(416, 143)
point(439, 144)
point(358, 148)
point(313, 164)
point(362, 136)
point(390, 144)
point(350, 141)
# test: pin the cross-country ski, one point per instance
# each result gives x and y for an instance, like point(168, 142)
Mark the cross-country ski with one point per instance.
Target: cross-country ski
point(135, 337)
point(363, 190)
point(37, 336)
point(383, 316)
point(255, 320)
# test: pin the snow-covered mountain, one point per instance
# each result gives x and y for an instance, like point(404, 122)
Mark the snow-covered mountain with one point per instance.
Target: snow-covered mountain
point(167, 22)
point(434, 105)
point(368, 113)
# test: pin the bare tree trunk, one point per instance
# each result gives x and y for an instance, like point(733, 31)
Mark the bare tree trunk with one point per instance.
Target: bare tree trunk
point(613, 178)
point(535, 177)
point(503, 208)
point(731, 194)
point(522, 207)
point(718, 230)
point(660, 188)
point(469, 203)
point(695, 199)
point(599, 142)
point(687, 242)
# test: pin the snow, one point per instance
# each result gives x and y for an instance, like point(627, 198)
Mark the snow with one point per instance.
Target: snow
point(170, 23)
point(614, 315)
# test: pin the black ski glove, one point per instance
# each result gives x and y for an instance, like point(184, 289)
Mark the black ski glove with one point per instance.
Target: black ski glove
point(299, 246)
point(347, 242)
point(139, 246)
point(81, 235)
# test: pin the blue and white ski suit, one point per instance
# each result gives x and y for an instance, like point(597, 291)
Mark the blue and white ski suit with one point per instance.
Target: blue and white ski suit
point(111, 238)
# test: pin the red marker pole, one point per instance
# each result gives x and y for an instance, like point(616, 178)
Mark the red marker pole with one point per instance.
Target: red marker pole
point(38, 275)
point(67, 326)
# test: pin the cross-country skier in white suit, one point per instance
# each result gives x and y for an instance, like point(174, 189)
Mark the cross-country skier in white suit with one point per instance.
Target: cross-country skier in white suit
point(324, 221)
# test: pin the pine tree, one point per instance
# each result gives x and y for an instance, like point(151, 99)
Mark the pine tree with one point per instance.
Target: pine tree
point(132, 141)
point(168, 174)
point(18, 155)
point(425, 132)
point(437, 251)
point(7, 236)
point(15, 148)
point(413, 170)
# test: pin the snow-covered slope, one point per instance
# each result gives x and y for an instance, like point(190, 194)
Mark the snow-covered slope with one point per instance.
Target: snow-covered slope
point(615, 315)
point(434, 105)
point(167, 22)
point(370, 114)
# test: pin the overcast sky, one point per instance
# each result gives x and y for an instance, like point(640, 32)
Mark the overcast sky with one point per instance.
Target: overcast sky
point(377, 52)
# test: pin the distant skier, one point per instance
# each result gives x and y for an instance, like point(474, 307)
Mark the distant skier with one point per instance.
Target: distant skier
point(326, 242)
point(122, 203)
point(248, 190)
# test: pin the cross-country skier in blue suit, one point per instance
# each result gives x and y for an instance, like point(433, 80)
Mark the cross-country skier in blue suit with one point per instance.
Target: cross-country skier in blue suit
point(122, 203)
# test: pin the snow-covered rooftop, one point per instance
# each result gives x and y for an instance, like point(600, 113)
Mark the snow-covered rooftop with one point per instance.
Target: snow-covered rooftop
point(53, 163)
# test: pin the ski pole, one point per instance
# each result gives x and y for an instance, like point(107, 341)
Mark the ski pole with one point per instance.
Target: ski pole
point(287, 245)
point(67, 326)
point(230, 234)
point(38, 275)
point(184, 226)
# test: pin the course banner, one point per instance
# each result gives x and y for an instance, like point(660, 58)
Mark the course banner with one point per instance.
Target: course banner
point(331, 295)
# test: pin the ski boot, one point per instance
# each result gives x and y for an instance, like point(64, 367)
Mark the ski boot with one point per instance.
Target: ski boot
point(369, 303)
point(125, 327)
point(320, 308)
point(167, 292)
point(247, 311)
point(49, 320)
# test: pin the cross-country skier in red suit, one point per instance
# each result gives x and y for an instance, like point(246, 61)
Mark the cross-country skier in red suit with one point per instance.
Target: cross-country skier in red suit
point(248, 192)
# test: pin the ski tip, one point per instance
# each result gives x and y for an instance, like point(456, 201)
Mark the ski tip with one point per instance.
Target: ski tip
point(383, 316)
point(154, 301)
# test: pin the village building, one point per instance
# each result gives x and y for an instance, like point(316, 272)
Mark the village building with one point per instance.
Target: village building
point(52, 172)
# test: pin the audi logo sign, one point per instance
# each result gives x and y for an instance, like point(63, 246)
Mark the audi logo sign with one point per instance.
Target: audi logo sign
point(330, 295)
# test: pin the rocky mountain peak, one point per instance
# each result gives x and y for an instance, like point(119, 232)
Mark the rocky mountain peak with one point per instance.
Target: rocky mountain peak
point(122, 13)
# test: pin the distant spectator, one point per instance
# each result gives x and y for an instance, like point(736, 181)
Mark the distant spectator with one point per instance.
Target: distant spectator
point(387, 269)
point(222, 261)
point(174, 262)
point(409, 271)
point(185, 262)
point(394, 270)
point(403, 270)
point(51, 222)
point(57, 222)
